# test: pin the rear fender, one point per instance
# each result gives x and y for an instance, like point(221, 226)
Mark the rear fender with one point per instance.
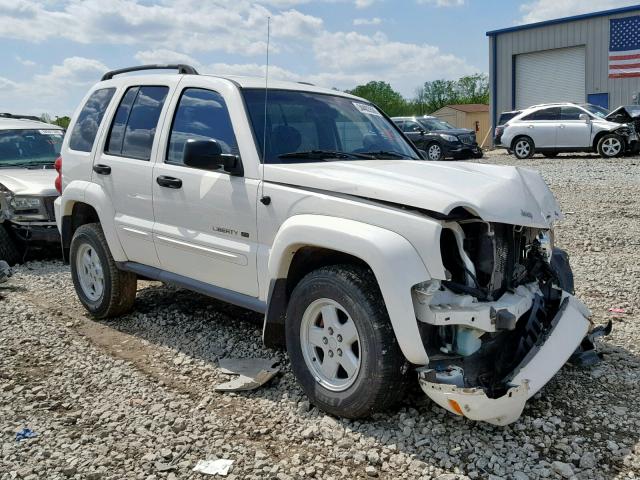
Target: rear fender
point(395, 263)
point(93, 195)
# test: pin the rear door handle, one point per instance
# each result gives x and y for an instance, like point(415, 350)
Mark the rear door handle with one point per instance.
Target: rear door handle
point(531, 126)
point(561, 126)
point(169, 182)
point(102, 169)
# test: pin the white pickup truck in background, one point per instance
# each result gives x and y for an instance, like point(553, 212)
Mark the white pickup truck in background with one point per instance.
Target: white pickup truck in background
point(368, 262)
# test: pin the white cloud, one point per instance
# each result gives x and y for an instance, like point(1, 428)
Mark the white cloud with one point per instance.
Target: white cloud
point(366, 21)
point(443, 3)
point(364, 3)
point(237, 27)
point(163, 55)
point(25, 62)
point(539, 10)
point(57, 92)
point(376, 57)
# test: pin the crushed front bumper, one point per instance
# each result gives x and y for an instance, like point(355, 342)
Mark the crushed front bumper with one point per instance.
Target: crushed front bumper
point(36, 233)
point(568, 328)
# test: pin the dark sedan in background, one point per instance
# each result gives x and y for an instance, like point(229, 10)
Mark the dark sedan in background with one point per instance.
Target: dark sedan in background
point(439, 139)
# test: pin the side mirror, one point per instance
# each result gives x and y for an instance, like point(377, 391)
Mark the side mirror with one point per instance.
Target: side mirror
point(207, 155)
point(584, 117)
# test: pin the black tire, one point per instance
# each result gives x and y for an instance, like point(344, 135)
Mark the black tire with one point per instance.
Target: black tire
point(606, 143)
point(478, 155)
point(382, 376)
point(550, 154)
point(119, 290)
point(523, 148)
point(434, 152)
point(9, 251)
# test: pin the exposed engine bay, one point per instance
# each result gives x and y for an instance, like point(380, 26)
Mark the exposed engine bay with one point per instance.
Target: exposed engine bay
point(506, 291)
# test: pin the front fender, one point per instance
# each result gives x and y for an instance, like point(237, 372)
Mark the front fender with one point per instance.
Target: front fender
point(93, 195)
point(395, 263)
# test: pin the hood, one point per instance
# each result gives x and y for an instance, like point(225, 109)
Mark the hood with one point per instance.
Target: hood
point(24, 181)
point(624, 114)
point(512, 195)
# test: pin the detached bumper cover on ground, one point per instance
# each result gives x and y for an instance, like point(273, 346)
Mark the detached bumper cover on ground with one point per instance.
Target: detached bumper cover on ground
point(569, 327)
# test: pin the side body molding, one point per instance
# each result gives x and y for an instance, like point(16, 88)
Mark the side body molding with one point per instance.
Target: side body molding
point(93, 195)
point(393, 260)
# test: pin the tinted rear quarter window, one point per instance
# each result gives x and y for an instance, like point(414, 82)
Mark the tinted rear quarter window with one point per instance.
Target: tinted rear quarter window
point(134, 124)
point(544, 114)
point(86, 127)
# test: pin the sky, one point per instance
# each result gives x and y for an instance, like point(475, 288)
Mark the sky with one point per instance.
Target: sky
point(52, 51)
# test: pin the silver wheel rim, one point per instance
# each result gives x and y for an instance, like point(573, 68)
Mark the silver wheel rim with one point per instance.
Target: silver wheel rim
point(611, 147)
point(522, 148)
point(330, 344)
point(434, 152)
point(90, 274)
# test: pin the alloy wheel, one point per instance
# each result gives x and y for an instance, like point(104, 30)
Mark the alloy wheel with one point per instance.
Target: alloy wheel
point(522, 148)
point(435, 152)
point(90, 274)
point(330, 344)
point(611, 147)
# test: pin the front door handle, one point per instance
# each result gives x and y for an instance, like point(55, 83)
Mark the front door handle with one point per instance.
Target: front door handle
point(169, 182)
point(102, 169)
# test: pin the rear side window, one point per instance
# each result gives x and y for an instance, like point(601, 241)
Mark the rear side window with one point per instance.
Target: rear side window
point(200, 115)
point(544, 114)
point(134, 124)
point(86, 127)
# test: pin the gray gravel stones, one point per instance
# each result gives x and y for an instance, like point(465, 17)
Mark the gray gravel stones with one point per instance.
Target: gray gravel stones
point(113, 400)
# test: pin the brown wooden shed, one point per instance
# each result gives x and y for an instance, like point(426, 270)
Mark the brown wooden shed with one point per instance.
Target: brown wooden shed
point(474, 116)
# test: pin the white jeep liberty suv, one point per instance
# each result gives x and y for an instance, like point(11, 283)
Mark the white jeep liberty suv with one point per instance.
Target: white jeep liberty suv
point(310, 206)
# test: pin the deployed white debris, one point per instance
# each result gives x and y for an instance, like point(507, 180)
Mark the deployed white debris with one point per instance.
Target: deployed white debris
point(213, 467)
point(252, 373)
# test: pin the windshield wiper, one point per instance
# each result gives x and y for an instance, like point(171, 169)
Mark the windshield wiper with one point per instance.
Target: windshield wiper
point(325, 154)
point(387, 153)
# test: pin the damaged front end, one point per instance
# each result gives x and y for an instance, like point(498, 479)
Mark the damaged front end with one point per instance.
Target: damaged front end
point(502, 323)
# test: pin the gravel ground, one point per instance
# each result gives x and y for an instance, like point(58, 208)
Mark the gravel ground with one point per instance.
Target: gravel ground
point(109, 400)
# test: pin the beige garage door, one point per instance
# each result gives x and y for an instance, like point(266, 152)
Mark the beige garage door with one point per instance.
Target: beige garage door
point(550, 76)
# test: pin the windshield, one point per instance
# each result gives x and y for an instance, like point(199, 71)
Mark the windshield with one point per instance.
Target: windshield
point(433, 124)
point(305, 126)
point(596, 110)
point(29, 147)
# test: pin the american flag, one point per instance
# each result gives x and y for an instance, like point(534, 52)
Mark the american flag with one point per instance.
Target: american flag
point(624, 47)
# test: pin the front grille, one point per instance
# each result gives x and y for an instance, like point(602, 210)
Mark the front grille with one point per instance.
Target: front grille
point(468, 139)
point(48, 206)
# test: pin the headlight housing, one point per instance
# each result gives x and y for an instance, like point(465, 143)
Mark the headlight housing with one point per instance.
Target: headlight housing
point(19, 203)
point(448, 138)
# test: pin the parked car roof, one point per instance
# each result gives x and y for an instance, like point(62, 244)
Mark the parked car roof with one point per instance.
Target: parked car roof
point(25, 124)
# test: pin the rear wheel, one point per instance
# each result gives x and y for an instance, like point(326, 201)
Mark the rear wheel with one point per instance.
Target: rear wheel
point(341, 344)
point(523, 148)
point(9, 251)
point(610, 146)
point(103, 289)
point(434, 152)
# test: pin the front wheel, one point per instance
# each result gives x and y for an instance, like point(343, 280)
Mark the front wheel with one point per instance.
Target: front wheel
point(342, 347)
point(610, 146)
point(103, 289)
point(434, 152)
point(523, 148)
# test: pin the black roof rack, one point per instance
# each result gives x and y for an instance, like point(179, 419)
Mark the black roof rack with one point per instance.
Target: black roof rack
point(182, 68)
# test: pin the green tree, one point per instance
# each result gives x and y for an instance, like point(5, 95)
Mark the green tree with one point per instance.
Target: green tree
point(385, 97)
point(474, 88)
point(62, 122)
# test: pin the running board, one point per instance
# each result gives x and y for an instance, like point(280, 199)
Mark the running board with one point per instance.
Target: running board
point(229, 296)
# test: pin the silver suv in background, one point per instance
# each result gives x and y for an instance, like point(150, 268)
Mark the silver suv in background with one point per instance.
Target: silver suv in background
point(564, 127)
point(28, 150)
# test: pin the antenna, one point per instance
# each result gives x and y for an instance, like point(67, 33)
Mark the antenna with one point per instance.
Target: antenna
point(263, 199)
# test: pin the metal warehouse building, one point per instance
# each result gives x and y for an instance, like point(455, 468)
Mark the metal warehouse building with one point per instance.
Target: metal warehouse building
point(591, 58)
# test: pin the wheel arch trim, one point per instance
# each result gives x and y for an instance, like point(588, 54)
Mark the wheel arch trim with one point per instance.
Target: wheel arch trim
point(384, 251)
